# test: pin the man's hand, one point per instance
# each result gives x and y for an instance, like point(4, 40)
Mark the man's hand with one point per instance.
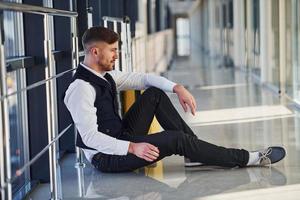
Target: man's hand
point(186, 99)
point(143, 150)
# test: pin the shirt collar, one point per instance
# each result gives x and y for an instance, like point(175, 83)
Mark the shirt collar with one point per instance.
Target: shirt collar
point(101, 75)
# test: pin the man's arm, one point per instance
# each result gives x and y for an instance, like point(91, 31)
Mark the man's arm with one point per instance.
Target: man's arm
point(79, 100)
point(138, 81)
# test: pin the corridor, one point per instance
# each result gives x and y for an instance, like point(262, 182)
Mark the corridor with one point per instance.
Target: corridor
point(233, 111)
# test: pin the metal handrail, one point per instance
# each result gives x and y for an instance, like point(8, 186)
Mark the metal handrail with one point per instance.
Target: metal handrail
point(36, 9)
point(36, 84)
point(125, 19)
point(50, 74)
point(20, 171)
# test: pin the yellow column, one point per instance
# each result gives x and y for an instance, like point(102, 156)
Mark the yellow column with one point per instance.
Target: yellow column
point(157, 171)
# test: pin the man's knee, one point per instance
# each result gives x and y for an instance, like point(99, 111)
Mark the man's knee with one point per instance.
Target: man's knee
point(154, 90)
point(153, 95)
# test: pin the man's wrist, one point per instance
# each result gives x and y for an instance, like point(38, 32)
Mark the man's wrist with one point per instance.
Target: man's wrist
point(130, 147)
point(177, 87)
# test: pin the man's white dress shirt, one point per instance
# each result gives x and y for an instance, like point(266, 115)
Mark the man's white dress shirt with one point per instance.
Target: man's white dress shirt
point(80, 97)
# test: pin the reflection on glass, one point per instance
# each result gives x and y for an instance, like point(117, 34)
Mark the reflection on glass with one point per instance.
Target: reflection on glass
point(115, 186)
point(14, 47)
point(16, 138)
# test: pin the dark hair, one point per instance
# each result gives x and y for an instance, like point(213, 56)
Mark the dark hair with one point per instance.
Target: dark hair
point(99, 34)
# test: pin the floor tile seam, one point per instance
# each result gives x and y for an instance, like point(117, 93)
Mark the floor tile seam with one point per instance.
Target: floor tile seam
point(241, 120)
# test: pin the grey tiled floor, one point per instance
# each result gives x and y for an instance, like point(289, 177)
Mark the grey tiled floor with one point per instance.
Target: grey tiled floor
point(170, 180)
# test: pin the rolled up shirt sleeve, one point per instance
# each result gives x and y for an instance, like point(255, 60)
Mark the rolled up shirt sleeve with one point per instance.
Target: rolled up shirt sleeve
point(140, 81)
point(79, 99)
point(159, 82)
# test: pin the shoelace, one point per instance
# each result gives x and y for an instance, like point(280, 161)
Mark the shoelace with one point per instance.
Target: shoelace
point(264, 160)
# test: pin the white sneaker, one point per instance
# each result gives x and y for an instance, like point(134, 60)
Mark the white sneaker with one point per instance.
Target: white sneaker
point(270, 155)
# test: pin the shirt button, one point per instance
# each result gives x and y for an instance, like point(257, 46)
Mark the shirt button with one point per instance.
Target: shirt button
point(107, 130)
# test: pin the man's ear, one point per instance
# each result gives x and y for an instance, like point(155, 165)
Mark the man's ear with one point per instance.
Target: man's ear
point(94, 51)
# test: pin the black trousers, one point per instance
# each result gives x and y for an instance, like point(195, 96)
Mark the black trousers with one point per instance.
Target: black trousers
point(177, 138)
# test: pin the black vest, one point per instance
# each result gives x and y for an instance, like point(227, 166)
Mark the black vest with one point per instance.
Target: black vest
point(106, 103)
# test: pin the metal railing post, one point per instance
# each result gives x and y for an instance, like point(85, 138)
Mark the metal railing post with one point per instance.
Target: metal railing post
point(2, 161)
point(128, 36)
point(117, 63)
point(75, 62)
point(81, 186)
point(5, 163)
point(51, 109)
point(75, 57)
point(124, 47)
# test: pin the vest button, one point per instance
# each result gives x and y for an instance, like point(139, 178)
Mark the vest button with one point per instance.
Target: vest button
point(107, 130)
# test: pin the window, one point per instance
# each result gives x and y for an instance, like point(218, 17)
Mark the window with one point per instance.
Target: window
point(14, 47)
point(183, 36)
